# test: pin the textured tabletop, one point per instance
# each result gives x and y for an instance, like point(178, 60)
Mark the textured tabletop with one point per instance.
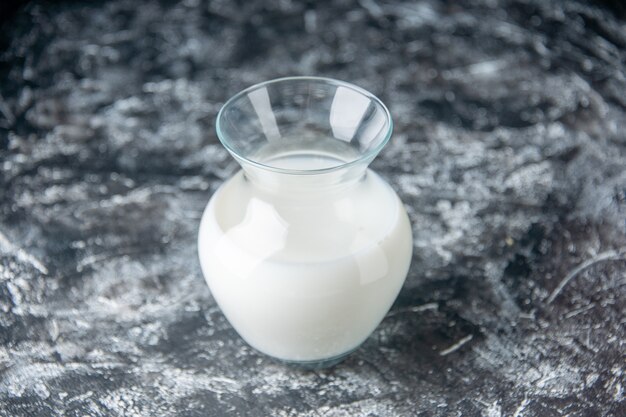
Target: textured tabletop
point(509, 153)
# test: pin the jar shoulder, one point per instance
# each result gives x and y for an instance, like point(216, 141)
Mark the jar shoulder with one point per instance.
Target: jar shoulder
point(320, 226)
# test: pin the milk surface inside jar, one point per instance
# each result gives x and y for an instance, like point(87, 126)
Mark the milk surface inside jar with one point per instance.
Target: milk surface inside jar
point(305, 249)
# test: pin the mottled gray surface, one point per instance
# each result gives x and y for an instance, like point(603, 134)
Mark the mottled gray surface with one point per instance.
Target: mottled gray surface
point(509, 152)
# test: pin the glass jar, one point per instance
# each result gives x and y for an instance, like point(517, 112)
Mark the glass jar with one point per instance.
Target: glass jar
point(305, 249)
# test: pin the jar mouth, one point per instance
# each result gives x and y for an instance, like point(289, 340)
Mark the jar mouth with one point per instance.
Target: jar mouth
point(330, 124)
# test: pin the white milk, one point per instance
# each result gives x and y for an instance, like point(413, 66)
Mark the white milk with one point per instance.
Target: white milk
point(304, 273)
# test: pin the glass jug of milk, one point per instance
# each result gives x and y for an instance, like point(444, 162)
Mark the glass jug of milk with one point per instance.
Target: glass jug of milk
point(305, 249)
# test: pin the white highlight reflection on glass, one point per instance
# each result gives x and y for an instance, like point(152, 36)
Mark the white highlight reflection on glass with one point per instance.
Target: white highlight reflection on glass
point(373, 128)
point(260, 100)
point(261, 234)
point(346, 112)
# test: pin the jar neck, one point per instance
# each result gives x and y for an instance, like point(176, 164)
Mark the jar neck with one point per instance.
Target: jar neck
point(302, 185)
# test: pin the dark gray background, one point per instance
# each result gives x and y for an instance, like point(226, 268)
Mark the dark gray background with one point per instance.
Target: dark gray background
point(509, 152)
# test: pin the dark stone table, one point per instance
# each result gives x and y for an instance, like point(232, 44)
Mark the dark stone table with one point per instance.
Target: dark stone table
point(509, 152)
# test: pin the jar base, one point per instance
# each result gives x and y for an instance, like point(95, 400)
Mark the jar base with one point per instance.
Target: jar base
point(317, 364)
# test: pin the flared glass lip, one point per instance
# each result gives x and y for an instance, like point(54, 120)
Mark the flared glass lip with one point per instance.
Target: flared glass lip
point(365, 157)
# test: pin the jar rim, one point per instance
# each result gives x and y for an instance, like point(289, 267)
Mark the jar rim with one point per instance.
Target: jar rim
point(365, 157)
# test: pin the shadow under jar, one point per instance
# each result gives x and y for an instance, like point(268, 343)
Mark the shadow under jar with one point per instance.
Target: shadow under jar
point(305, 249)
